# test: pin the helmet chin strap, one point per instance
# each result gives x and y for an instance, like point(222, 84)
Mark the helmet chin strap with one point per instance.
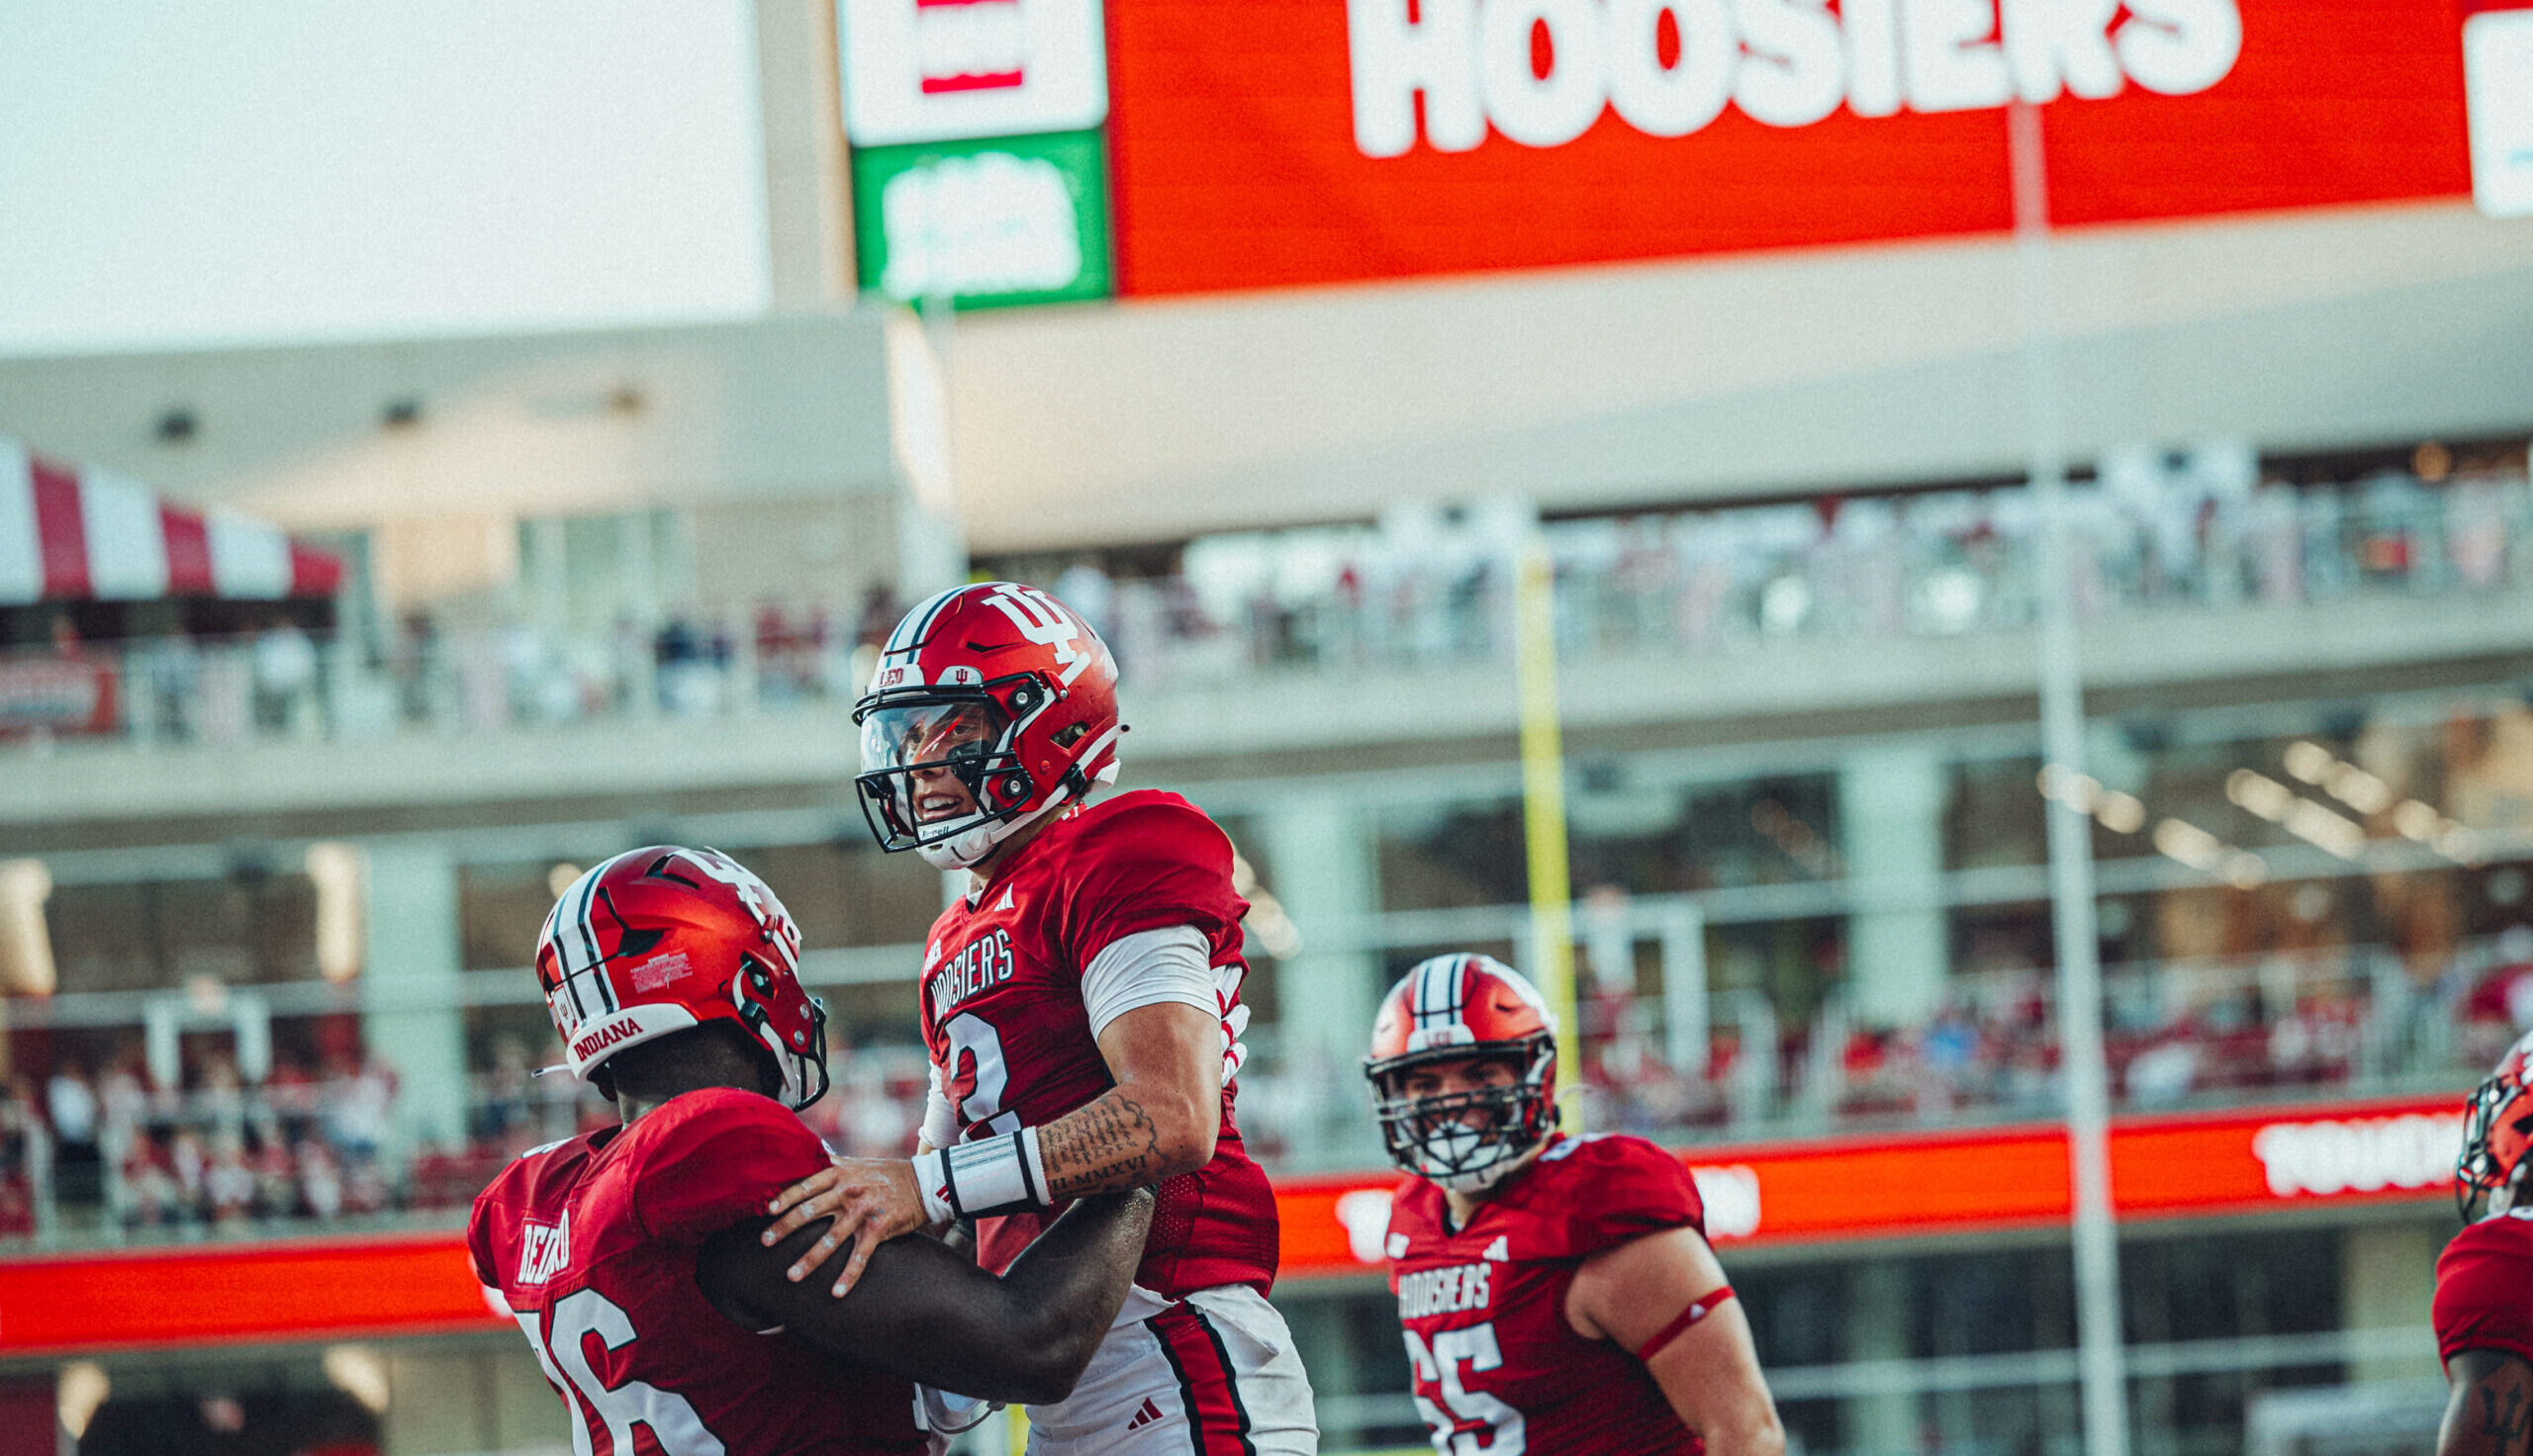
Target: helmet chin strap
point(964, 850)
point(1478, 1181)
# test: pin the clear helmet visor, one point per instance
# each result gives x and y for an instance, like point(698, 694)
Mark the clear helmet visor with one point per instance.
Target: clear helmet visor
point(929, 734)
point(930, 768)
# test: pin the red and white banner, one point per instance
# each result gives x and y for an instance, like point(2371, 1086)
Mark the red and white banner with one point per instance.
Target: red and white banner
point(57, 694)
point(1299, 142)
point(80, 535)
point(1901, 1185)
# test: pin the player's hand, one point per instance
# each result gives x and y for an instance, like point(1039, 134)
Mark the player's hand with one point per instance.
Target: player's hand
point(872, 1200)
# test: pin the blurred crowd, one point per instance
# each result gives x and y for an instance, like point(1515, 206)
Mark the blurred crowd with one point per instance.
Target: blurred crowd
point(1423, 585)
point(117, 1149)
point(2203, 528)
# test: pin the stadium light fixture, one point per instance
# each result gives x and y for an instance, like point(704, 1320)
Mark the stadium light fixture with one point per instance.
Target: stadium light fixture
point(81, 1388)
point(359, 1372)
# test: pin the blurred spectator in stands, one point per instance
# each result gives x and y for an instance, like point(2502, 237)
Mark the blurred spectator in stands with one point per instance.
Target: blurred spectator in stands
point(504, 1117)
point(189, 1160)
point(71, 1104)
point(321, 1181)
point(286, 678)
point(410, 656)
point(123, 1100)
point(2164, 1073)
point(219, 1103)
point(151, 1196)
point(1947, 1053)
point(228, 1184)
point(880, 612)
point(357, 1102)
point(276, 1180)
point(2499, 1007)
point(25, 1160)
point(689, 668)
point(1086, 589)
point(289, 1090)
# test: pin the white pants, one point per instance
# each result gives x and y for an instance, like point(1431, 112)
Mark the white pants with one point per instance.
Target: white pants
point(1214, 1374)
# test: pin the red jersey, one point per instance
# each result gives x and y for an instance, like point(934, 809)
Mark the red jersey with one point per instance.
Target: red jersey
point(1494, 1365)
point(1004, 1016)
point(596, 1236)
point(2485, 1288)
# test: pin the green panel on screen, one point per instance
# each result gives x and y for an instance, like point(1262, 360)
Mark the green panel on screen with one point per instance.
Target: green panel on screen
point(1012, 219)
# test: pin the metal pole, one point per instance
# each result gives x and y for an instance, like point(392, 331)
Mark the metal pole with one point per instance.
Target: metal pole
point(1685, 1033)
point(1543, 809)
point(2071, 862)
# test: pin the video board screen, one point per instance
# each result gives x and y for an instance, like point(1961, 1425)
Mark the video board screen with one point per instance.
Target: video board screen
point(1286, 143)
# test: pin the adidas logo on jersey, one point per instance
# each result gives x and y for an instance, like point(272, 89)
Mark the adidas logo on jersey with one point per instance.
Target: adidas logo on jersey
point(1006, 902)
point(1145, 1415)
point(543, 1249)
point(1398, 1246)
point(1497, 1252)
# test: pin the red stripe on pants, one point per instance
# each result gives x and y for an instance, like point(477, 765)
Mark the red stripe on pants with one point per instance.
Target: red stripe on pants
point(61, 532)
point(1218, 1425)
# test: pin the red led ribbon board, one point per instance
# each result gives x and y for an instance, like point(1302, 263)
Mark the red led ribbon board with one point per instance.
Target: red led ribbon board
point(1901, 1185)
point(1909, 1185)
point(304, 1290)
point(1240, 133)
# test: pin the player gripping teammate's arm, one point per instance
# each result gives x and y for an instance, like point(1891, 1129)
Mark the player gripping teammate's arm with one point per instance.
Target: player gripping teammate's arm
point(1656, 1296)
point(923, 1311)
point(1160, 1121)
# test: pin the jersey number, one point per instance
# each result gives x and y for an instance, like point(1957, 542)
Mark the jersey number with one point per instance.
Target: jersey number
point(977, 1073)
point(614, 1410)
point(1438, 1367)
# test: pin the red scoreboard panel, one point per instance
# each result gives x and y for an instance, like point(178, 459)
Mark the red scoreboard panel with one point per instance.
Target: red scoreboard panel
point(1280, 142)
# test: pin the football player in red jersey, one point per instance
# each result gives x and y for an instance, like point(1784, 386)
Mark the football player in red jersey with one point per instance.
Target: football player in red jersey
point(669, 973)
point(2484, 1308)
point(1081, 1004)
point(1557, 1292)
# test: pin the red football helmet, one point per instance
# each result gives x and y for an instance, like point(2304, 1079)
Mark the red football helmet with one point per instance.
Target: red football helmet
point(991, 704)
point(661, 939)
point(2497, 1127)
point(1446, 1009)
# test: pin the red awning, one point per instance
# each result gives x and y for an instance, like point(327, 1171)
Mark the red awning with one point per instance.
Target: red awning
point(81, 534)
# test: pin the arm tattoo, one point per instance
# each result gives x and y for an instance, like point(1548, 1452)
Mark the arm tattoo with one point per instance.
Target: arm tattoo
point(1110, 1144)
point(2504, 1417)
point(2490, 1412)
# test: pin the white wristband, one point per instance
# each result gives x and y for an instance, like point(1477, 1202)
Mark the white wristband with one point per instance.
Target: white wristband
point(1001, 1174)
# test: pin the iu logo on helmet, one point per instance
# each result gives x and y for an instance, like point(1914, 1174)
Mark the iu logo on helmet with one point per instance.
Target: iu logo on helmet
point(1044, 621)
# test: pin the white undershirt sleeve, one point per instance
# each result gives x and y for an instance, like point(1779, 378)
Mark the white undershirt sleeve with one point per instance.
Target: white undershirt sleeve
point(940, 1118)
point(1147, 969)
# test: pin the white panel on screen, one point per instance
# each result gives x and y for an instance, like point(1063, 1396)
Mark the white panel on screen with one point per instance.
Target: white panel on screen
point(934, 70)
point(2497, 75)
